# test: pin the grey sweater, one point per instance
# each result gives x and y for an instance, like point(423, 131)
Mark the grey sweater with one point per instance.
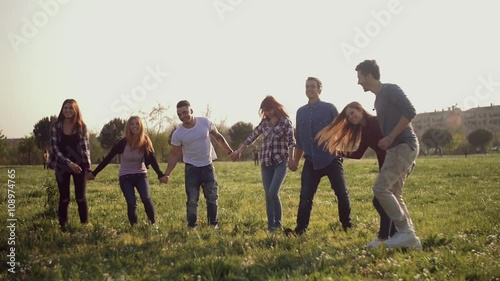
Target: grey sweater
point(391, 104)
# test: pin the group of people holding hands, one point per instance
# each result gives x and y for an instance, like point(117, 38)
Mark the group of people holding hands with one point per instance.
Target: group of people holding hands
point(323, 137)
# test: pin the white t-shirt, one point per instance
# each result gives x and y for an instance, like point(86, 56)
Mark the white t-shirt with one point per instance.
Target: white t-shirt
point(197, 149)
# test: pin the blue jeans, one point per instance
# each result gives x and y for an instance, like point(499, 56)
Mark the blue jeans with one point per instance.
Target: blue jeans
point(204, 177)
point(272, 178)
point(140, 182)
point(310, 179)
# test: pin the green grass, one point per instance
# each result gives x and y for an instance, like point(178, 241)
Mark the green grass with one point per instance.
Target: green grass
point(454, 203)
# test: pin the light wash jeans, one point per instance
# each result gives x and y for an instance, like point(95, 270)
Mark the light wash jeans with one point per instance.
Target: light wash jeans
point(272, 179)
point(388, 188)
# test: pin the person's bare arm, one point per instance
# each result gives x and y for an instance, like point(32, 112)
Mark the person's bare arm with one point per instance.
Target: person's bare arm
point(174, 157)
point(219, 138)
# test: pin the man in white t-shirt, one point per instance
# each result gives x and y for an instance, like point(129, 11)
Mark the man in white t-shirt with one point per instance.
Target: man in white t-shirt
point(191, 141)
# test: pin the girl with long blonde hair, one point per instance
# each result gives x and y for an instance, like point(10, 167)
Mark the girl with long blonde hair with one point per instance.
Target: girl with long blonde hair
point(137, 153)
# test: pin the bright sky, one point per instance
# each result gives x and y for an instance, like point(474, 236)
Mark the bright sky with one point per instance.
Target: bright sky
point(118, 57)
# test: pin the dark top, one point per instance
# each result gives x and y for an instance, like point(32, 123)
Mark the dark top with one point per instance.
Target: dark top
point(118, 148)
point(58, 160)
point(370, 136)
point(69, 146)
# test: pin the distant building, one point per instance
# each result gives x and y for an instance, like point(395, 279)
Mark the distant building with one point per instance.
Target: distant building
point(454, 118)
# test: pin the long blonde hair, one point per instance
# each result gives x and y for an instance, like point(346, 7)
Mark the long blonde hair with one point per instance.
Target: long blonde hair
point(341, 134)
point(139, 140)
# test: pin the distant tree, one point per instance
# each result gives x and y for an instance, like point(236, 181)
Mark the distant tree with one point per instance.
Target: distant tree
point(208, 111)
point(96, 150)
point(157, 120)
point(161, 145)
point(3, 148)
point(436, 138)
point(27, 150)
point(458, 144)
point(41, 131)
point(480, 138)
point(239, 132)
point(111, 132)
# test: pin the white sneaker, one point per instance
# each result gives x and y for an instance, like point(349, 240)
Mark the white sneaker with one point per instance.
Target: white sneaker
point(375, 243)
point(406, 239)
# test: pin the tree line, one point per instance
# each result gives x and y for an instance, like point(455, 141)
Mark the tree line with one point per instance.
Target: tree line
point(438, 141)
point(160, 126)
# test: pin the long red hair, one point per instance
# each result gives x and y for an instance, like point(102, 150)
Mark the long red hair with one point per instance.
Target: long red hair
point(269, 103)
point(341, 134)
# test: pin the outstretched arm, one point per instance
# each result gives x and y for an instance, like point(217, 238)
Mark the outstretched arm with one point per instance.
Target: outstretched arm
point(221, 140)
point(250, 139)
point(174, 157)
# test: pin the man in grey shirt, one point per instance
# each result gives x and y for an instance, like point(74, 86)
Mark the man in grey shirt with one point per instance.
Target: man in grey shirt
point(394, 113)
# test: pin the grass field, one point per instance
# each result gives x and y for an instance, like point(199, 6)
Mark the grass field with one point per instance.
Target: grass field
point(454, 203)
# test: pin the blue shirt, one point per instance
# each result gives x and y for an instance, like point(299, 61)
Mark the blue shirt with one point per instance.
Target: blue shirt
point(311, 118)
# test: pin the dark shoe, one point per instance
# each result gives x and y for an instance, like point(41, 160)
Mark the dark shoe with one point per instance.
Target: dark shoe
point(296, 232)
point(346, 227)
point(289, 232)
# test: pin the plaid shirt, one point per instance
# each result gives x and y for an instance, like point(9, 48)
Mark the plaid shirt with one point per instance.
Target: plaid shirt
point(57, 159)
point(277, 140)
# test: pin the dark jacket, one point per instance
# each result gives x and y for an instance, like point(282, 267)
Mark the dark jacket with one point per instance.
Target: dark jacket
point(118, 148)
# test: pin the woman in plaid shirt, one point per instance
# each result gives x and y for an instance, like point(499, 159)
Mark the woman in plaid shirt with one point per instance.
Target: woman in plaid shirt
point(70, 156)
point(277, 148)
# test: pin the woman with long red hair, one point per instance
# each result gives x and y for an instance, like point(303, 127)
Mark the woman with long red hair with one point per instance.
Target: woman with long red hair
point(70, 157)
point(137, 153)
point(277, 149)
point(350, 134)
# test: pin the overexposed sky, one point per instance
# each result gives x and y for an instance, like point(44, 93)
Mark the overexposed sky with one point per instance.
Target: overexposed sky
point(118, 57)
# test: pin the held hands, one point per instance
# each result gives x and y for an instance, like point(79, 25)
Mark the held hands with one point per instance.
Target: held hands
point(164, 179)
point(293, 166)
point(89, 176)
point(235, 155)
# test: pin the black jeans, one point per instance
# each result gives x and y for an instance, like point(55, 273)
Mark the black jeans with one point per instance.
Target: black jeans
point(310, 179)
point(63, 183)
point(387, 228)
point(141, 183)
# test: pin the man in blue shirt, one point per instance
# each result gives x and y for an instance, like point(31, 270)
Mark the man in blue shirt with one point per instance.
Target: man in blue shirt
point(311, 118)
point(394, 114)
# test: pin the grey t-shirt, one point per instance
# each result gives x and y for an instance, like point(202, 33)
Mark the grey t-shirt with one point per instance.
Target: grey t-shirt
point(391, 104)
